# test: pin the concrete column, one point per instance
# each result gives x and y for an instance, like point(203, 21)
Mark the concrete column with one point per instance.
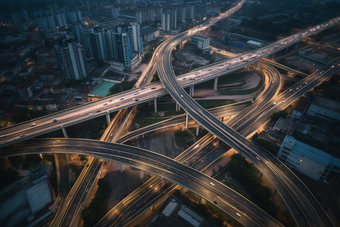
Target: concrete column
point(296, 46)
point(222, 119)
point(150, 103)
point(163, 181)
point(155, 104)
point(257, 64)
point(108, 120)
point(287, 50)
point(64, 131)
point(121, 167)
point(186, 120)
point(199, 202)
point(215, 84)
point(197, 128)
point(178, 107)
point(192, 89)
point(274, 193)
point(141, 174)
point(261, 175)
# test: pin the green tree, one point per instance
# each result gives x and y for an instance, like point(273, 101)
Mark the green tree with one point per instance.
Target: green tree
point(277, 115)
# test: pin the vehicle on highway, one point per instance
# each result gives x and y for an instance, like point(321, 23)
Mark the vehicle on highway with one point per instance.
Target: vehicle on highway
point(54, 120)
point(87, 165)
point(239, 215)
point(117, 104)
point(258, 158)
point(274, 103)
point(133, 99)
point(105, 108)
point(2, 136)
point(99, 111)
point(121, 99)
point(32, 125)
point(105, 104)
point(110, 100)
point(215, 202)
point(90, 114)
point(137, 100)
point(182, 96)
point(22, 135)
point(212, 184)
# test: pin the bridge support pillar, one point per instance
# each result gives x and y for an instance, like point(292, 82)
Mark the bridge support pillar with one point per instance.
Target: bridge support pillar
point(155, 104)
point(108, 120)
point(215, 84)
point(261, 175)
point(257, 64)
point(197, 128)
point(178, 107)
point(183, 190)
point(247, 67)
point(287, 50)
point(222, 119)
point(186, 120)
point(296, 46)
point(192, 89)
point(274, 193)
point(121, 167)
point(200, 201)
point(141, 174)
point(163, 181)
point(64, 131)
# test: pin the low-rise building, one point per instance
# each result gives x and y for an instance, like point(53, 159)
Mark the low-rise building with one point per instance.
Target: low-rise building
point(149, 33)
point(25, 91)
point(308, 160)
point(54, 89)
point(324, 108)
point(300, 109)
point(67, 101)
point(202, 42)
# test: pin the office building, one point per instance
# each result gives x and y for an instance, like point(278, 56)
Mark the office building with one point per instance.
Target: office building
point(51, 22)
point(101, 44)
point(115, 12)
point(324, 108)
point(308, 160)
point(182, 14)
point(202, 42)
point(136, 38)
point(149, 34)
point(72, 60)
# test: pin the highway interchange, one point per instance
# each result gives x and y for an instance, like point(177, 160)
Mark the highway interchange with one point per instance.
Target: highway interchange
point(66, 118)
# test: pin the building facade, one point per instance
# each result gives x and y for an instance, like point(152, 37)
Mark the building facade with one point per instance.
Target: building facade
point(202, 42)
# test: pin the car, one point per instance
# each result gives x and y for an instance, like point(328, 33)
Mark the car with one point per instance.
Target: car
point(2, 136)
point(105, 104)
point(110, 100)
point(258, 158)
point(90, 114)
point(136, 93)
point(99, 111)
point(272, 81)
point(274, 103)
point(212, 184)
point(23, 135)
point(133, 99)
point(215, 202)
point(87, 165)
point(142, 88)
point(182, 96)
point(54, 120)
point(117, 104)
point(184, 78)
point(137, 100)
point(153, 88)
point(121, 99)
point(32, 125)
point(87, 190)
point(332, 66)
point(105, 108)
point(239, 215)
point(192, 78)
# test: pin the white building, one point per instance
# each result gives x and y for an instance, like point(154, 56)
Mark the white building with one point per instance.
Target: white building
point(61, 19)
point(190, 12)
point(72, 59)
point(201, 41)
point(136, 38)
point(115, 12)
point(165, 21)
point(308, 160)
point(324, 108)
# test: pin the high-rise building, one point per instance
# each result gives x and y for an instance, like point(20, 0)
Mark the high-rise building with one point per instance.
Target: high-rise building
point(115, 12)
point(101, 44)
point(74, 16)
point(190, 12)
point(20, 16)
point(169, 20)
point(51, 22)
point(149, 14)
point(182, 14)
point(72, 59)
point(60, 19)
point(136, 38)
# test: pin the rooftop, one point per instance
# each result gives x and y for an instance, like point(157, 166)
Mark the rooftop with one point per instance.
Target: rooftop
point(326, 103)
point(147, 31)
point(301, 107)
point(102, 89)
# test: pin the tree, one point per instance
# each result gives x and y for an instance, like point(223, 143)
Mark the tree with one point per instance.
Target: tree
point(277, 115)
